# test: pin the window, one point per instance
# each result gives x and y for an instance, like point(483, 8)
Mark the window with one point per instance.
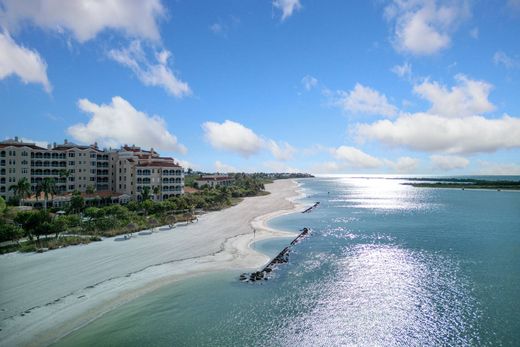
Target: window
point(72, 154)
point(25, 154)
point(24, 170)
point(71, 163)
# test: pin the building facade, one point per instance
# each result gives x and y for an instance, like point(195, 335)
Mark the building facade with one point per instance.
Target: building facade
point(214, 181)
point(73, 167)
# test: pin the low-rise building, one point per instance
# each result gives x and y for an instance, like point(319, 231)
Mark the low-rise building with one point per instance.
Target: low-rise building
point(214, 181)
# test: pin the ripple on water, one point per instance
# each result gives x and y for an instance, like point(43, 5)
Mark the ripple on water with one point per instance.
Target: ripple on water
point(384, 295)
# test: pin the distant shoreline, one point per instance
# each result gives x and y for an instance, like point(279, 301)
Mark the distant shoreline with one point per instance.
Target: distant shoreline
point(219, 241)
point(469, 186)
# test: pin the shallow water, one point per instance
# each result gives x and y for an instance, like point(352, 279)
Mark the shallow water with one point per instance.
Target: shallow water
point(386, 264)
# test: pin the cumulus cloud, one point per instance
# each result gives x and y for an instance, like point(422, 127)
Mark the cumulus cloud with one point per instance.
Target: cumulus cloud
point(151, 72)
point(22, 62)
point(287, 7)
point(356, 158)
point(501, 58)
point(448, 162)
point(452, 125)
point(86, 19)
point(424, 27)
point(232, 136)
point(120, 123)
point(235, 137)
point(403, 71)
point(467, 98)
point(282, 151)
point(403, 164)
point(365, 100)
point(224, 168)
point(309, 82)
point(431, 133)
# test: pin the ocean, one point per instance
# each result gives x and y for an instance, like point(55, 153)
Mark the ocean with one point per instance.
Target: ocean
point(385, 265)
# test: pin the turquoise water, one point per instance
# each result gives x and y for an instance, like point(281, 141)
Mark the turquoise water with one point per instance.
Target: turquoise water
point(386, 264)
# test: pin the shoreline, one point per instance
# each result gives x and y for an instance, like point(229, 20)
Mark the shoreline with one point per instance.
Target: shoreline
point(49, 322)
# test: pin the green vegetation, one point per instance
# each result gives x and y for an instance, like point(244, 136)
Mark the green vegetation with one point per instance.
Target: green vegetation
point(467, 184)
point(37, 230)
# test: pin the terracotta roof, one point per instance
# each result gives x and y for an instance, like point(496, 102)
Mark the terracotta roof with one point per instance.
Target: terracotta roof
point(158, 164)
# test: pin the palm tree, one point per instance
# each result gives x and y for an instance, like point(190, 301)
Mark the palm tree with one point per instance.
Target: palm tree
point(64, 173)
point(21, 189)
point(47, 187)
point(145, 194)
point(156, 192)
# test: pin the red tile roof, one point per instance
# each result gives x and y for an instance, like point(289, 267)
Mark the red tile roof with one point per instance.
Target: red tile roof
point(158, 164)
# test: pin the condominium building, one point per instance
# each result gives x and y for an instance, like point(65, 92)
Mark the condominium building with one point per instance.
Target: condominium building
point(73, 167)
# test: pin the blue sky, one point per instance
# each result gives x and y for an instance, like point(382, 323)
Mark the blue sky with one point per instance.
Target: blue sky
point(418, 86)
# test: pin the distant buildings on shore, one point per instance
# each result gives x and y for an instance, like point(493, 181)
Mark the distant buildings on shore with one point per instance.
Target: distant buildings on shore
point(214, 181)
point(123, 173)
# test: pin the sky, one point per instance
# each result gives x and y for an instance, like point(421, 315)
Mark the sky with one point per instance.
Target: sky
point(395, 86)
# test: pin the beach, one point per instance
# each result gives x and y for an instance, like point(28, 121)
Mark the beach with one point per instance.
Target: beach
point(46, 296)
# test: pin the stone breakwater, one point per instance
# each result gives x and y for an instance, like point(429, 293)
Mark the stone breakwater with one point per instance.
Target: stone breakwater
point(281, 258)
point(311, 208)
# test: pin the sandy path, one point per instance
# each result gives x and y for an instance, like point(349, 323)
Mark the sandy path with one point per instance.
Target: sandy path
point(45, 296)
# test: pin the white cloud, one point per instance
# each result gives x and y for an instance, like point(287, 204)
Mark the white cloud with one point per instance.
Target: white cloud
point(232, 136)
point(235, 137)
point(365, 100)
point(224, 168)
point(23, 62)
point(403, 71)
point(431, 133)
point(328, 167)
point(150, 73)
point(356, 158)
point(424, 27)
point(216, 28)
point(282, 151)
point(403, 164)
point(186, 164)
point(120, 123)
point(448, 162)
point(474, 33)
point(86, 19)
point(489, 168)
point(287, 7)
point(276, 166)
point(500, 58)
point(309, 82)
point(42, 144)
point(467, 98)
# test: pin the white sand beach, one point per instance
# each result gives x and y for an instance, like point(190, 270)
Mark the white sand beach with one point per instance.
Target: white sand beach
point(45, 296)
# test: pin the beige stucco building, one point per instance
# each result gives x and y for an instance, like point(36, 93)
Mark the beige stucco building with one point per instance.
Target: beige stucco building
point(73, 167)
